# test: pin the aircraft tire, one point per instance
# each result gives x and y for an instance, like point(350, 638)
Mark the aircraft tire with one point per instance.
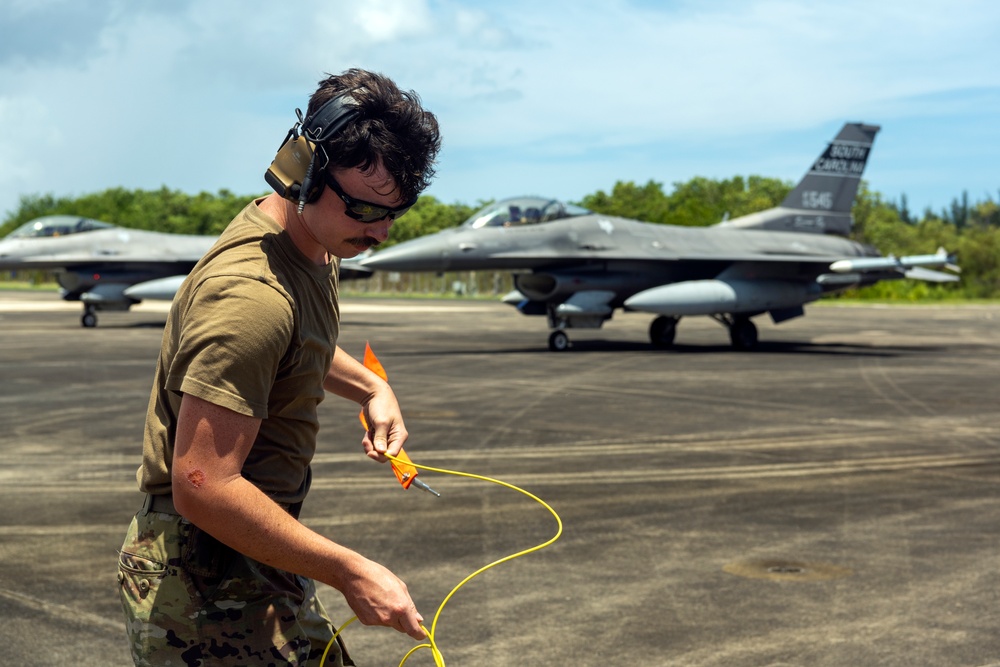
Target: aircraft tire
point(558, 341)
point(743, 334)
point(662, 331)
point(88, 320)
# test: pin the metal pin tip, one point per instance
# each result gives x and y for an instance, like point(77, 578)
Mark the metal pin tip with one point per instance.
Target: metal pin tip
point(419, 484)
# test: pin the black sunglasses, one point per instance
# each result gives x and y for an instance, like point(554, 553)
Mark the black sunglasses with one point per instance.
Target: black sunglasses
point(362, 210)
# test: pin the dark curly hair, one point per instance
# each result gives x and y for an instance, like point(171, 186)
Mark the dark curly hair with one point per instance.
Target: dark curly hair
point(391, 129)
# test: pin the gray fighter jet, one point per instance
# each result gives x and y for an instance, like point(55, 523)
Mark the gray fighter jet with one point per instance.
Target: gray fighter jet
point(106, 267)
point(577, 267)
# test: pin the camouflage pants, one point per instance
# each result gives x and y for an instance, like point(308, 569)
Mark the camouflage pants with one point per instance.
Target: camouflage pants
point(191, 601)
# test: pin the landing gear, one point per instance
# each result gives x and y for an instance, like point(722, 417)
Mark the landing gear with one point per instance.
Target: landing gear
point(662, 331)
point(743, 333)
point(89, 318)
point(558, 341)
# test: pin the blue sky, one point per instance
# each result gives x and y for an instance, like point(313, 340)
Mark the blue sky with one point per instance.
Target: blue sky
point(559, 98)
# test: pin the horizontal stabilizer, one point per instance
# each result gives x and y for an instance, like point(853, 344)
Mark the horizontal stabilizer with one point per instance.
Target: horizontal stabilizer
point(920, 273)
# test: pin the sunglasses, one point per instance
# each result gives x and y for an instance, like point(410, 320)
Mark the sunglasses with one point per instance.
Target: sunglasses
point(365, 211)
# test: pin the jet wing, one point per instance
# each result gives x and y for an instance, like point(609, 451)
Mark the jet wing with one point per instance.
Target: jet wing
point(908, 266)
point(804, 265)
point(72, 262)
point(166, 288)
point(110, 247)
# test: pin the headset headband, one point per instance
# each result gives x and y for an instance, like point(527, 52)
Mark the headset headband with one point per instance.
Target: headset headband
point(328, 120)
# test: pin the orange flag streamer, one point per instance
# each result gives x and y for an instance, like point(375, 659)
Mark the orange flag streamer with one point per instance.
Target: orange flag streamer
point(404, 473)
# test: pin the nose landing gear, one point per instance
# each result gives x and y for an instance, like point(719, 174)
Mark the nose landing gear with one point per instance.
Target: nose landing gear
point(89, 318)
point(558, 341)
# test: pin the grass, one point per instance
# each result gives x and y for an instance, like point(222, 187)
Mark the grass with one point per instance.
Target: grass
point(27, 285)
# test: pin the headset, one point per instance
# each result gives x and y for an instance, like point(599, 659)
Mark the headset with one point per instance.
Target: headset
point(293, 172)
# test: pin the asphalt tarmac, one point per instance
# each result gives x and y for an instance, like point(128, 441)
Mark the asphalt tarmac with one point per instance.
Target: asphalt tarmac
point(830, 499)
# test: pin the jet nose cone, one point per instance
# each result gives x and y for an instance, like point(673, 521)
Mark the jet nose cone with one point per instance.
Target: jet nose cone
point(423, 254)
point(9, 249)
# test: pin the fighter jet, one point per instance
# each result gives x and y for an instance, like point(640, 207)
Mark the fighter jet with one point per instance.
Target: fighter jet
point(577, 267)
point(107, 267)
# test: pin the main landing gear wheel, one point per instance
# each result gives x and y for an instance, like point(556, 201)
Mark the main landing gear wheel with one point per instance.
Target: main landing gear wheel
point(743, 334)
point(89, 318)
point(662, 331)
point(558, 341)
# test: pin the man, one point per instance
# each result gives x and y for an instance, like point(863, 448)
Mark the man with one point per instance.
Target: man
point(216, 568)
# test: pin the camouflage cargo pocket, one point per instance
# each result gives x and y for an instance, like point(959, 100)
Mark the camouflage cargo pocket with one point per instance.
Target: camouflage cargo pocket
point(142, 564)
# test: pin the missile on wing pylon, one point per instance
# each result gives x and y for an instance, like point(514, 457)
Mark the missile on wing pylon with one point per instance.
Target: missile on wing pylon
point(939, 259)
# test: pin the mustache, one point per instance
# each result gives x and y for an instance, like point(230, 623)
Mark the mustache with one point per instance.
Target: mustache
point(366, 241)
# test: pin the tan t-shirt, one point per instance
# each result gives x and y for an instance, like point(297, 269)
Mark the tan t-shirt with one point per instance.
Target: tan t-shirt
point(252, 329)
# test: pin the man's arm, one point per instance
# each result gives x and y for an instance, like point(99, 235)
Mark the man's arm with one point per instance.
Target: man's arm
point(349, 378)
point(210, 448)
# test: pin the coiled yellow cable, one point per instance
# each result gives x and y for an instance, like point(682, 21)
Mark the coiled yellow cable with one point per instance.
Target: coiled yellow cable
point(438, 658)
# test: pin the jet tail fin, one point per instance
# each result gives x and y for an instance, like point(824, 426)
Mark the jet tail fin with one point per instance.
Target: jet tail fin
point(822, 200)
point(832, 182)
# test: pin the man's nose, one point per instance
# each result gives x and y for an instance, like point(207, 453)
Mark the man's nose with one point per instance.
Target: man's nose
point(379, 230)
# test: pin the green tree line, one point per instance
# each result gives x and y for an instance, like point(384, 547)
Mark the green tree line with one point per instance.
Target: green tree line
point(971, 230)
point(167, 210)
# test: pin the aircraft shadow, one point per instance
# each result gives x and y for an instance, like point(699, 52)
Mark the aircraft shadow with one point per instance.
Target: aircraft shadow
point(148, 324)
point(763, 348)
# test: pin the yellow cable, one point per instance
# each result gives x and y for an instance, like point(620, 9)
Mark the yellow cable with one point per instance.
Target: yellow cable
point(438, 658)
point(334, 638)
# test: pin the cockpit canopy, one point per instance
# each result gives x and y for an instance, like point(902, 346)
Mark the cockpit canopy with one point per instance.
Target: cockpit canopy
point(56, 225)
point(522, 211)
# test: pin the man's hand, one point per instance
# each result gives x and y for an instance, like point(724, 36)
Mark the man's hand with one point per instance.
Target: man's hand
point(386, 432)
point(349, 378)
point(378, 597)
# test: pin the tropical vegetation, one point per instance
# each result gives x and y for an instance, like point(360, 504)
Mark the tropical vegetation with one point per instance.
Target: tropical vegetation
point(970, 230)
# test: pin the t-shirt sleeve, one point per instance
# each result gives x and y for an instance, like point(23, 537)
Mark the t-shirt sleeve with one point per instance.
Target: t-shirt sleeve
point(235, 332)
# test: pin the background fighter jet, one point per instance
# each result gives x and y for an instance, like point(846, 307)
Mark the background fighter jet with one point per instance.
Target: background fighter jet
point(103, 266)
point(576, 267)
point(107, 267)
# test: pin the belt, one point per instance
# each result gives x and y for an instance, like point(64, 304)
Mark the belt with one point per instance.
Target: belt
point(159, 503)
point(164, 503)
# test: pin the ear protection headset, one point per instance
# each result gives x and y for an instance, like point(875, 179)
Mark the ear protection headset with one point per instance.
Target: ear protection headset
point(295, 172)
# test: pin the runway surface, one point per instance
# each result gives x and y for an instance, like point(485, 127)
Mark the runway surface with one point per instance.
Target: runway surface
point(830, 499)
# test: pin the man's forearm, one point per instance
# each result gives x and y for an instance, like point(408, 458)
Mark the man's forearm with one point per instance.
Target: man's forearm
point(349, 378)
point(242, 517)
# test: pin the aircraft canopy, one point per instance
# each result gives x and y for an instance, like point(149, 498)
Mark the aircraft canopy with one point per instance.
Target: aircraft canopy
point(522, 211)
point(56, 225)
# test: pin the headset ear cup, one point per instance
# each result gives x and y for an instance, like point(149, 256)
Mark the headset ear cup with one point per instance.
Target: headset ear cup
point(289, 167)
point(293, 167)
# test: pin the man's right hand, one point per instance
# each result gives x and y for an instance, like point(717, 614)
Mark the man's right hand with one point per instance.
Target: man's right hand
point(378, 597)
